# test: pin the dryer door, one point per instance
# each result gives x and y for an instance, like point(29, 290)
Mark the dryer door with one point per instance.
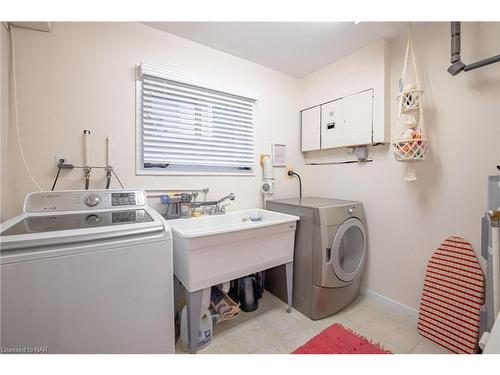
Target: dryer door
point(349, 250)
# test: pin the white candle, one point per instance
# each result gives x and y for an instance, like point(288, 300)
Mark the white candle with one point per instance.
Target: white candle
point(108, 151)
point(86, 152)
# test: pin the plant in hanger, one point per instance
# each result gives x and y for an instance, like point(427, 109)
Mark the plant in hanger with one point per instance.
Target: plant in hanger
point(411, 145)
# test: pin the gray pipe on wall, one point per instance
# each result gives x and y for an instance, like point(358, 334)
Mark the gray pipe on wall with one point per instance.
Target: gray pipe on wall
point(457, 65)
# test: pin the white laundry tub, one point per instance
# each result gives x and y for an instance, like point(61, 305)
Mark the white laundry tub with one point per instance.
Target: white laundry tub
point(209, 250)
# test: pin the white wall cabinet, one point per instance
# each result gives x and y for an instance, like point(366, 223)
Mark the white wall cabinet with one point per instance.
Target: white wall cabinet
point(310, 119)
point(358, 118)
point(343, 122)
point(332, 124)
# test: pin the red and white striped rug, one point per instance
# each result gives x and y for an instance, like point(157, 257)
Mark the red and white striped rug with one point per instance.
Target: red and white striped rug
point(452, 295)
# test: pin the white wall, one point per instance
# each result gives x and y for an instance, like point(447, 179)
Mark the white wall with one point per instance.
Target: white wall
point(81, 76)
point(407, 221)
point(5, 208)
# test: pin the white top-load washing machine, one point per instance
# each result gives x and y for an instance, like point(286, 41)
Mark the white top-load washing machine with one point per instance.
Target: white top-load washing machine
point(329, 257)
point(86, 272)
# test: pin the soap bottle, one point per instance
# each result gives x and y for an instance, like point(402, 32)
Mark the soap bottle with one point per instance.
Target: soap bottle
point(205, 333)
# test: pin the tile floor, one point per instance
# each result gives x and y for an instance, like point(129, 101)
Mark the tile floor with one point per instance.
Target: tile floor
point(271, 329)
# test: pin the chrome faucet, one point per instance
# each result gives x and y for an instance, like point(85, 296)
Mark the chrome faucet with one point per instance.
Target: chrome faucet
point(219, 208)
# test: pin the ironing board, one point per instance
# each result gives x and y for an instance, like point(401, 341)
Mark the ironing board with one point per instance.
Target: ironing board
point(452, 296)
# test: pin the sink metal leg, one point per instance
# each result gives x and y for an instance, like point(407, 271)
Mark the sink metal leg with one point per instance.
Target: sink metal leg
point(194, 301)
point(289, 285)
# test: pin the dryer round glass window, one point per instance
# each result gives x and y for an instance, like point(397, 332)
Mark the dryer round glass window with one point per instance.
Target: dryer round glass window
point(348, 249)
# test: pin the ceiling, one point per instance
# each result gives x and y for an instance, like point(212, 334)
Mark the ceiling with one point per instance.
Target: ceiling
point(294, 48)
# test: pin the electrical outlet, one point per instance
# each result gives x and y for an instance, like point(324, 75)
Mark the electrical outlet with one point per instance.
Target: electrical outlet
point(59, 158)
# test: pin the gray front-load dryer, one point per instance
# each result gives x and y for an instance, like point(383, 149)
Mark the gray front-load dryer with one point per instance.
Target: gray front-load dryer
point(330, 253)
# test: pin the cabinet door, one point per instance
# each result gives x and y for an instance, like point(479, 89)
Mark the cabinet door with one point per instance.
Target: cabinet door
point(358, 118)
point(310, 129)
point(332, 124)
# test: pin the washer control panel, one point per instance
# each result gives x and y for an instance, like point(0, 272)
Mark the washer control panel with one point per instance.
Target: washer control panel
point(75, 200)
point(123, 199)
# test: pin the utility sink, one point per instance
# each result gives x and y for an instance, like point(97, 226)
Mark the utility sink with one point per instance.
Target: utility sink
point(209, 250)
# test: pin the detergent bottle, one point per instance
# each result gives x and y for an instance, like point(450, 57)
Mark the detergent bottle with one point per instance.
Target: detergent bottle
point(204, 335)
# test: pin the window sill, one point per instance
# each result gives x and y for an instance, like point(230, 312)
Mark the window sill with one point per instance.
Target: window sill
point(189, 173)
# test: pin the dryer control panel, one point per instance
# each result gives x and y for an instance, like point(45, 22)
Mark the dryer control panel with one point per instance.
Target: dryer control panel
point(76, 200)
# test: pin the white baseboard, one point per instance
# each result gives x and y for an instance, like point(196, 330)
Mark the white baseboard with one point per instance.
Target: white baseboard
point(407, 310)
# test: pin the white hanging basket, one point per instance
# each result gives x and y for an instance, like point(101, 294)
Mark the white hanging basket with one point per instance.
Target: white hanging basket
point(410, 100)
point(410, 150)
point(412, 145)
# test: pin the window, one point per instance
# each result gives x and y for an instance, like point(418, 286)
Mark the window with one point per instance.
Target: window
point(189, 127)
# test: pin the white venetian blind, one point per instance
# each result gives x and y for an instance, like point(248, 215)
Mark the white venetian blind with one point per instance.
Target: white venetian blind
point(186, 124)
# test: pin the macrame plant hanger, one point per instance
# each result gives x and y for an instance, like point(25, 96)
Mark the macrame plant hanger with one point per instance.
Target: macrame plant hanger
point(411, 145)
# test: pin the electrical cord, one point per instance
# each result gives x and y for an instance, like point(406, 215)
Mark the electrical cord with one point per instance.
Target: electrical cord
point(57, 175)
point(14, 99)
point(118, 179)
point(292, 173)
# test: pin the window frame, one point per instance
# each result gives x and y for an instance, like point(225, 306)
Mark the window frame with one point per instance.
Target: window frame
point(174, 75)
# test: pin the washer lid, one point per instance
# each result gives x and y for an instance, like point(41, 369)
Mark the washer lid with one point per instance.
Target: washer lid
point(349, 250)
point(51, 223)
point(54, 229)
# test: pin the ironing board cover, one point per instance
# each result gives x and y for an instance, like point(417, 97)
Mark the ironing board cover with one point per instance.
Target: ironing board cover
point(452, 295)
